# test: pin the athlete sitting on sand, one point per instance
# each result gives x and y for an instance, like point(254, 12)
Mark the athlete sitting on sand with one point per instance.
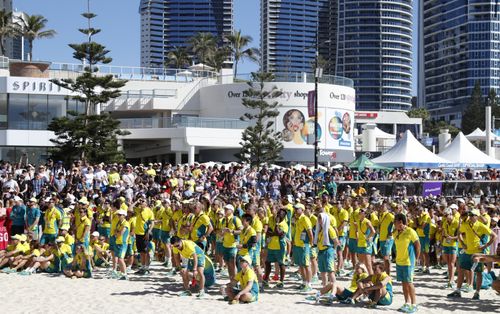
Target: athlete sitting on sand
point(248, 283)
point(20, 261)
point(18, 246)
point(484, 258)
point(341, 293)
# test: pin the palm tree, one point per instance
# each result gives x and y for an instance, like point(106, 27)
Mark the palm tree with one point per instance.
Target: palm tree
point(8, 29)
point(179, 58)
point(239, 51)
point(33, 27)
point(203, 45)
point(217, 58)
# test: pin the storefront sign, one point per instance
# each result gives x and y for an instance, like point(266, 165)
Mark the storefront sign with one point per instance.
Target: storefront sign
point(24, 85)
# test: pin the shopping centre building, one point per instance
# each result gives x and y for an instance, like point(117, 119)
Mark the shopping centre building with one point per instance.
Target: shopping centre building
point(175, 115)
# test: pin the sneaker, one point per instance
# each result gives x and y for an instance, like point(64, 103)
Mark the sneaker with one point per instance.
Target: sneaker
point(455, 294)
point(466, 288)
point(279, 285)
point(449, 285)
point(404, 308)
point(186, 293)
point(7, 270)
point(265, 284)
point(123, 277)
point(426, 271)
point(306, 289)
point(201, 294)
point(372, 305)
point(224, 273)
point(25, 273)
point(141, 271)
point(347, 301)
point(315, 279)
point(412, 309)
point(476, 296)
point(342, 273)
point(419, 270)
point(301, 286)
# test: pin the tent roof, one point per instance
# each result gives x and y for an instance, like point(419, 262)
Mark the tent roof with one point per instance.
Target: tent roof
point(201, 67)
point(480, 135)
point(463, 154)
point(381, 134)
point(409, 152)
point(363, 162)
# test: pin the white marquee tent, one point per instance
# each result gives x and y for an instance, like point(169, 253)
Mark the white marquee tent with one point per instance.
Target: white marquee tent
point(480, 135)
point(463, 154)
point(409, 153)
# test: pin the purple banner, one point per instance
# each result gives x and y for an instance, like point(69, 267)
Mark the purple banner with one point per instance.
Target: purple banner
point(433, 188)
point(311, 99)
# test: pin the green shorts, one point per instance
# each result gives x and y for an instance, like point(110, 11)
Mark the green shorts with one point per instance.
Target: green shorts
point(254, 298)
point(450, 250)
point(228, 253)
point(424, 244)
point(466, 263)
point(346, 294)
point(404, 273)
point(165, 236)
point(48, 238)
point(276, 256)
point(353, 245)
point(326, 260)
point(120, 250)
point(301, 255)
point(201, 262)
point(386, 247)
point(386, 300)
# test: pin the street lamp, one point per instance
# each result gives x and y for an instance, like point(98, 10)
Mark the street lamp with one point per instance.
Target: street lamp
point(318, 72)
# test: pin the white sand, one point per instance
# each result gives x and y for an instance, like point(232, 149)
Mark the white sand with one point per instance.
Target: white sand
point(158, 294)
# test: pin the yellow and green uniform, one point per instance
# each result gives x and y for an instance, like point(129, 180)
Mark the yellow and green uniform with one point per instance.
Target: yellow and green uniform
point(63, 257)
point(276, 249)
point(364, 245)
point(353, 242)
point(165, 225)
point(229, 239)
point(51, 218)
point(200, 225)
point(122, 240)
point(184, 221)
point(386, 227)
point(189, 248)
point(405, 254)
point(131, 248)
point(144, 220)
point(66, 219)
point(326, 254)
point(301, 241)
point(248, 240)
point(387, 298)
point(104, 215)
point(82, 236)
point(158, 212)
point(245, 277)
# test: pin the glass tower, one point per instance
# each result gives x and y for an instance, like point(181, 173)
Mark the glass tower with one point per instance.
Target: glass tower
point(289, 32)
point(375, 50)
point(166, 24)
point(461, 46)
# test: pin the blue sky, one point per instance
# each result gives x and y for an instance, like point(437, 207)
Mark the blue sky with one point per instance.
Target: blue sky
point(119, 21)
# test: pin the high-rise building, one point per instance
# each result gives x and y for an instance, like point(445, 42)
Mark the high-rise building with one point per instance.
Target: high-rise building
point(17, 47)
point(375, 50)
point(461, 47)
point(289, 33)
point(167, 24)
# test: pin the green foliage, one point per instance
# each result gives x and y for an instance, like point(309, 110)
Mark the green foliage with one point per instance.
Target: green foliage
point(94, 137)
point(8, 29)
point(473, 116)
point(431, 126)
point(203, 45)
point(239, 49)
point(217, 58)
point(178, 58)
point(89, 136)
point(33, 27)
point(260, 143)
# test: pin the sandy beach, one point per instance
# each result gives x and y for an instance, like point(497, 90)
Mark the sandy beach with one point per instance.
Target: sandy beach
point(158, 293)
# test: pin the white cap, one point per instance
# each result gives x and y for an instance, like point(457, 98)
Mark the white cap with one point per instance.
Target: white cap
point(229, 206)
point(460, 200)
point(17, 199)
point(121, 212)
point(95, 233)
point(454, 206)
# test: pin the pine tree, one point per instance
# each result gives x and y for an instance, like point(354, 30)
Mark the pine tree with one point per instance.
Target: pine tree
point(473, 116)
point(260, 143)
point(89, 136)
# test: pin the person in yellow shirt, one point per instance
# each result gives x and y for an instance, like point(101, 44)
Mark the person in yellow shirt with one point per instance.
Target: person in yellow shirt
point(353, 241)
point(309, 212)
point(113, 176)
point(341, 293)
point(251, 209)
point(100, 247)
point(104, 219)
point(342, 216)
point(449, 242)
point(423, 221)
point(470, 235)
point(386, 228)
point(143, 230)
point(131, 248)
point(83, 230)
point(200, 227)
point(365, 235)
point(121, 234)
point(158, 210)
point(303, 236)
point(219, 249)
point(231, 231)
point(52, 221)
point(18, 247)
point(195, 257)
point(276, 249)
point(248, 282)
point(165, 221)
point(378, 287)
point(326, 240)
point(407, 252)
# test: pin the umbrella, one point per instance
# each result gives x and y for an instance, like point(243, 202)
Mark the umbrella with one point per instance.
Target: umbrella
point(201, 67)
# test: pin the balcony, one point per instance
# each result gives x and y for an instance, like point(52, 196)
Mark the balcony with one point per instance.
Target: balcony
point(182, 122)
